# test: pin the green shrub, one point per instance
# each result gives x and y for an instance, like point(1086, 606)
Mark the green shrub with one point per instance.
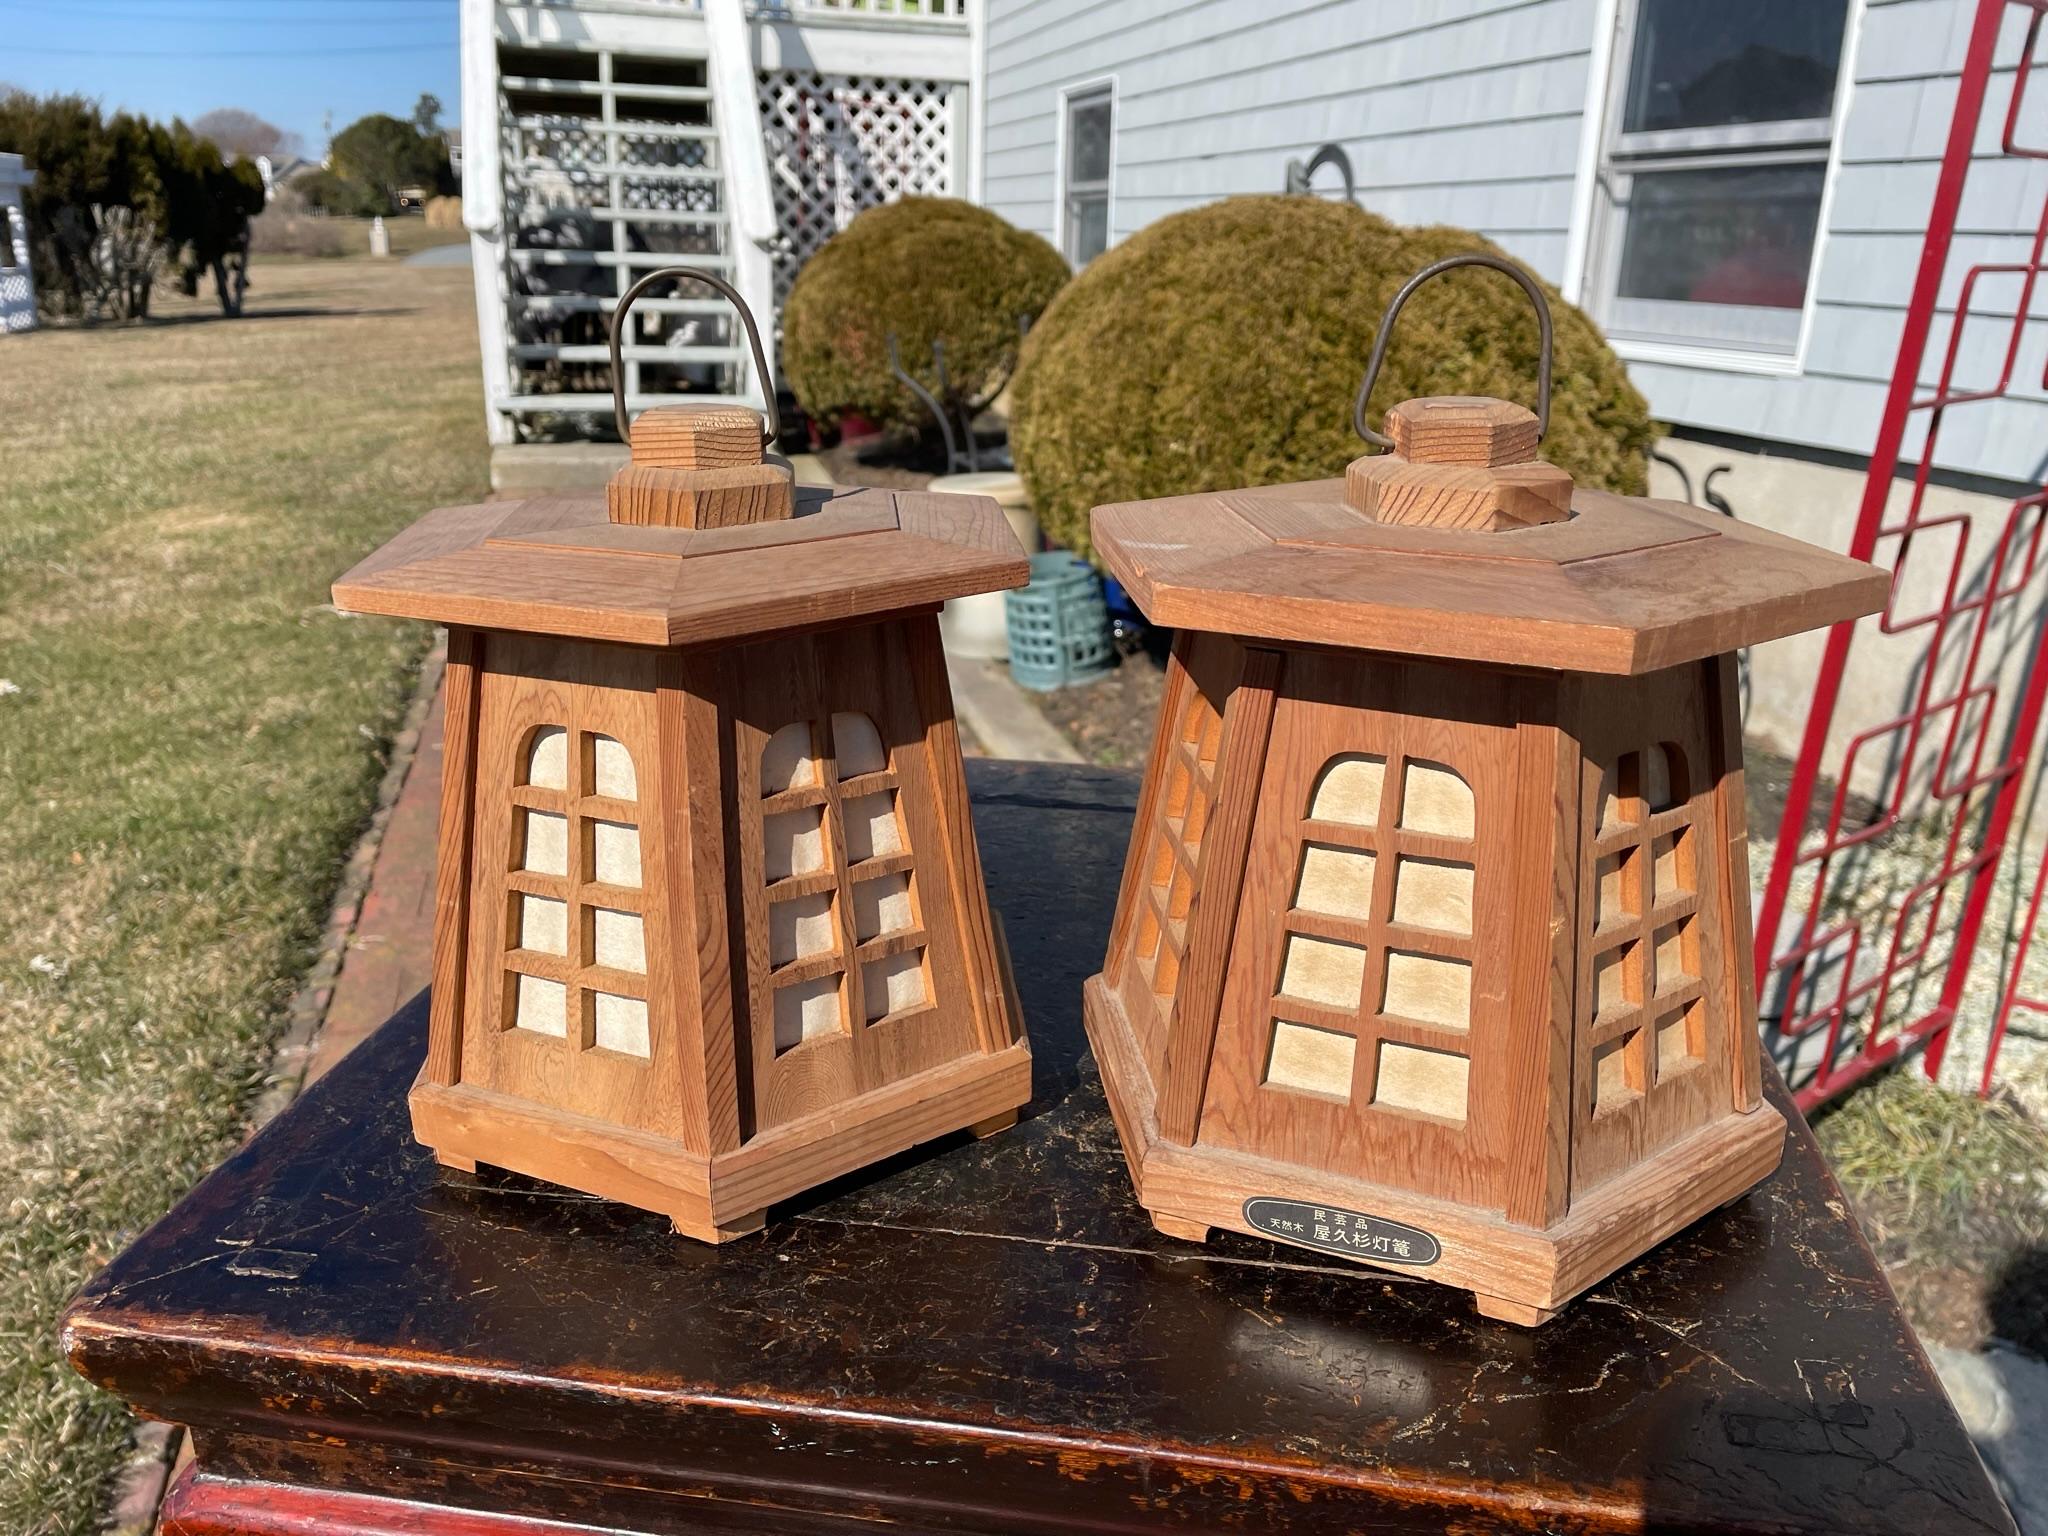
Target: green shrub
point(1222, 347)
point(926, 269)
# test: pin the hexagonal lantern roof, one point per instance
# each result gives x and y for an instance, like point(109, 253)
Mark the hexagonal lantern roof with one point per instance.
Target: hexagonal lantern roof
point(1619, 585)
point(557, 565)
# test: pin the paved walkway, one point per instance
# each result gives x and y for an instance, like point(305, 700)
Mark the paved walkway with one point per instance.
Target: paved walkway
point(440, 256)
point(391, 953)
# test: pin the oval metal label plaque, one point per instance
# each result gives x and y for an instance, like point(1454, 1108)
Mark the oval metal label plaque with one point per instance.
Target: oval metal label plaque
point(1351, 1233)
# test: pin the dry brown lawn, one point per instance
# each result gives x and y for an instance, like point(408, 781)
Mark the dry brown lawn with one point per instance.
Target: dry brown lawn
point(189, 741)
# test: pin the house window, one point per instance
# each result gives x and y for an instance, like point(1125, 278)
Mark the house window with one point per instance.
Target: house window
point(8, 218)
point(1085, 173)
point(1716, 155)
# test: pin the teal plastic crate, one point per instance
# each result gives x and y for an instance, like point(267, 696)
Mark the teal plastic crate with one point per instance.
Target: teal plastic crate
point(1059, 625)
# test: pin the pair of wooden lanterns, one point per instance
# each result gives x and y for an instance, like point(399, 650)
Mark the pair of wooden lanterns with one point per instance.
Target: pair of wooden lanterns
point(1433, 947)
point(710, 926)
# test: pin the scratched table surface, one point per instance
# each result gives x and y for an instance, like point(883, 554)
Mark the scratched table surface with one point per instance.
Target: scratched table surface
point(985, 1336)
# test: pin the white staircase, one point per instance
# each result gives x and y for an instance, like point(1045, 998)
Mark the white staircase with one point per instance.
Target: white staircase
point(605, 138)
point(618, 155)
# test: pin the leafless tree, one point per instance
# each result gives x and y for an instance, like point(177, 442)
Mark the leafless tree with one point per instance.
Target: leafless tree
point(237, 132)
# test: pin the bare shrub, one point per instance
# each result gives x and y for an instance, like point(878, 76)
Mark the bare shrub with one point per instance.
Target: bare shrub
point(288, 228)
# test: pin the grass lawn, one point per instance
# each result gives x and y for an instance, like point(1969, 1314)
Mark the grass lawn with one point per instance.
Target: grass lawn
point(190, 738)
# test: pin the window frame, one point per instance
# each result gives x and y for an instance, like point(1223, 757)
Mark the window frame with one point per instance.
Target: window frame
point(1083, 93)
point(1752, 338)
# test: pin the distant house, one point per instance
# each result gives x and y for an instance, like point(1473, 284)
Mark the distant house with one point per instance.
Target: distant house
point(282, 172)
point(453, 139)
point(17, 285)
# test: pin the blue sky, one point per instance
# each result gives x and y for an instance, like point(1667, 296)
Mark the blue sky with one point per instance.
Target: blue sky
point(290, 61)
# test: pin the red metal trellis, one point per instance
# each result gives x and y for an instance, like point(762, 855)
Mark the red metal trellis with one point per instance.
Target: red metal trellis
point(1830, 971)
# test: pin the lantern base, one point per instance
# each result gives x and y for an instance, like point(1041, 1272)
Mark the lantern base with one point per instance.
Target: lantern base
point(716, 1199)
point(1516, 1274)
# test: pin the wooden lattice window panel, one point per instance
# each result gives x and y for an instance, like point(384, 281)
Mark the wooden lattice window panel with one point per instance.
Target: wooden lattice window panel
point(1647, 1018)
point(1373, 1001)
point(841, 881)
point(575, 941)
point(1181, 820)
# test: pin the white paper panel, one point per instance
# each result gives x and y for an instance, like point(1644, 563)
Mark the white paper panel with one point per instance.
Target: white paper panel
point(881, 906)
point(871, 827)
point(799, 928)
point(541, 1006)
point(547, 761)
point(612, 769)
point(786, 762)
point(1311, 1060)
point(619, 939)
point(1428, 1082)
point(1349, 790)
point(1323, 971)
point(805, 1010)
point(544, 925)
point(1428, 989)
point(894, 983)
point(857, 745)
point(547, 843)
point(616, 853)
point(620, 1023)
point(793, 842)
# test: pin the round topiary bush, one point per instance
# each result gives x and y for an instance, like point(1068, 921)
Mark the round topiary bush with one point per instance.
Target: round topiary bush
point(928, 269)
point(1223, 346)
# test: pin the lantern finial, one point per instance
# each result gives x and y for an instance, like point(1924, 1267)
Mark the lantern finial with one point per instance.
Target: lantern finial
point(697, 466)
point(1459, 461)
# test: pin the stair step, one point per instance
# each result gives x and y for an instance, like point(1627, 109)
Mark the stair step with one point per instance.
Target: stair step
point(583, 303)
point(542, 258)
point(601, 405)
point(544, 85)
point(666, 217)
point(546, 122)
point(541, 351)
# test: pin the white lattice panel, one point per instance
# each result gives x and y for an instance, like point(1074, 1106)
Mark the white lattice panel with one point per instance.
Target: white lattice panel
point(841, 143)
point(17, 295)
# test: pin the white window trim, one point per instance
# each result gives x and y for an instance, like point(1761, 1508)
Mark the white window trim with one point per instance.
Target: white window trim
point(1067, 93)
point(1604, 66)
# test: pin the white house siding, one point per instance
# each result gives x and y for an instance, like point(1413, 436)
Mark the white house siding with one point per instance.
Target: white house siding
point(1474, 113)
point(1452, 111)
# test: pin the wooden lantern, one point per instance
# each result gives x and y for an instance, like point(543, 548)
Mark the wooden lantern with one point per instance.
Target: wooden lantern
point(710, 926)
point(1433, 944)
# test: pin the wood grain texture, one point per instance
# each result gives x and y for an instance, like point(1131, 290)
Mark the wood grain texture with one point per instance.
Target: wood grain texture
point(1248, 679)
point(1389, 489)
point(649, 494)
point(864, 554)
point(1644, 873)
point(1625, 586)
point(1409, 717)
point(697, 436)
point(1462, 429)
point(1731, 825)
point(1543, 921)
point(455, 851)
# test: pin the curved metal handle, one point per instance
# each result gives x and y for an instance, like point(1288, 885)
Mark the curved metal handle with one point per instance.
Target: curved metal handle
point(1379, 344)
point(618, 334)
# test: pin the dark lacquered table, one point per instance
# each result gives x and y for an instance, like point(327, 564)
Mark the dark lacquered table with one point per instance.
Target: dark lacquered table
point(982, 1336)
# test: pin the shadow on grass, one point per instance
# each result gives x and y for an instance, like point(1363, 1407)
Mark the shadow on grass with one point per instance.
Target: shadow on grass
point(294, 312)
